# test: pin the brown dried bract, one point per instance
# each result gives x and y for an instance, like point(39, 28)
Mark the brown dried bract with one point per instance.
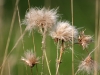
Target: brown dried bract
point(84, 40)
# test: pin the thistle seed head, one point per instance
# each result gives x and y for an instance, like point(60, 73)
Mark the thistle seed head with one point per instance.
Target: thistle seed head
point(40, 17)
point(30, 58)
point(84, 40)
point(63, 31)
point(88, 65)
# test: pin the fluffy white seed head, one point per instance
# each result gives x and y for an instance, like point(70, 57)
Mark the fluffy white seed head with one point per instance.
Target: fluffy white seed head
point(88, 65)
point(30, 58)
point(40, 17)
point(63, 31)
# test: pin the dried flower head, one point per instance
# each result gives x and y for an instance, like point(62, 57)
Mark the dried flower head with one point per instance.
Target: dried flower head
point(63, 31)
point(84, 40)
point(88, 65)
point(30, 58)
point(40, 17)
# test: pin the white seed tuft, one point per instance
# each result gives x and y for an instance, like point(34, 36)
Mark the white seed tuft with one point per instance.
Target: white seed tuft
point(40, 18)
point(88, 65)
point(63, 31)
point(30, 58)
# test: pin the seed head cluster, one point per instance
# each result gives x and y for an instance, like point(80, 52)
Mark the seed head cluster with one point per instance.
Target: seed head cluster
point(63, 31)
point(41, 18)
point(30, 58)
point(45, 19)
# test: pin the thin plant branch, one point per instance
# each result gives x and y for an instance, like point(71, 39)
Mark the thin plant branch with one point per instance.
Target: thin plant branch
point(33, 41)
point(17, 41)
point(21, 32)
point(96, 32)
point(8, 69)
point(44, 50)
point(31, 71)
point(32, 31)
point(57, 55)
point(29, 3)
point(47, 3)
point(9, 36)
point(37, 69)
point(13, 49)
point(20, 26)
point(57, 49)
point(72, 38)
point(76, 72)
point(42, 63)
point(60, 57)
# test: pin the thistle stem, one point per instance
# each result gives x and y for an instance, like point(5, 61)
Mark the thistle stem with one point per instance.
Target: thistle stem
point(44, 51)
point(29, 3)
point(57, 55)
point(37, 69)
point(33, 41)
point(61, 50)
point(31, 72)
point(60, 57)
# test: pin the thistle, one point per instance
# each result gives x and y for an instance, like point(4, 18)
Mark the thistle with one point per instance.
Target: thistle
point(84, 40)
point(88, 65)
point(30, 58)
point(63, 31)
point(41, 18)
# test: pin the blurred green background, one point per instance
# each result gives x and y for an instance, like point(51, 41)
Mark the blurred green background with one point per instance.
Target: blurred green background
point(84, 16)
